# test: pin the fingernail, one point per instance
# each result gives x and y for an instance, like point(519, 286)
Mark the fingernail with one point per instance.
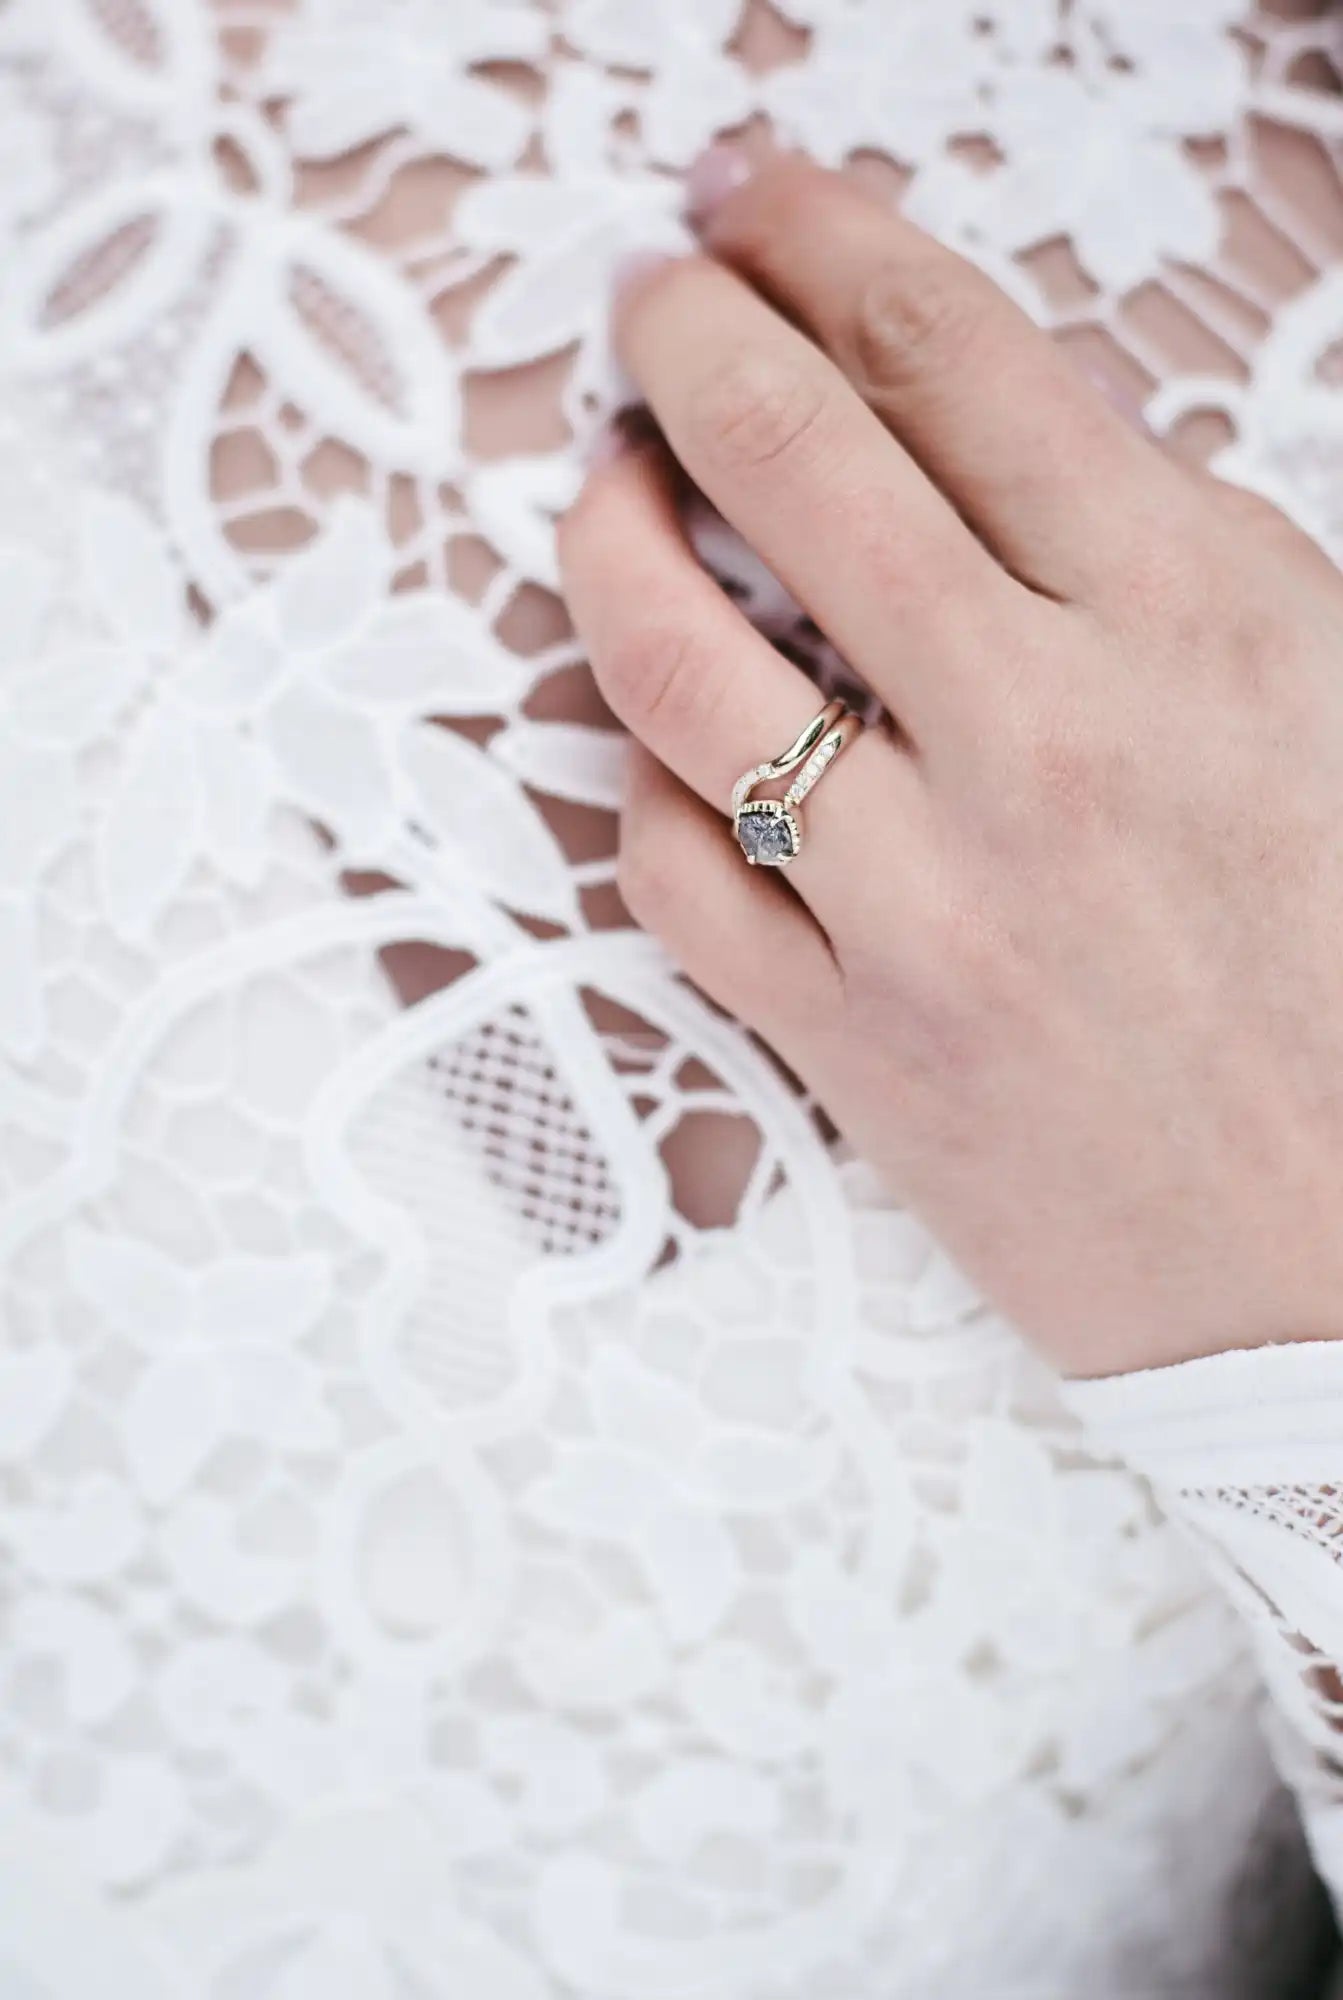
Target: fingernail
point(718, 172)
point(631, 270)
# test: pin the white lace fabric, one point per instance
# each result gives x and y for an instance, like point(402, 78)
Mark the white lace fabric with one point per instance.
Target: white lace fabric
point(1244, 1449)
point(492, 1503)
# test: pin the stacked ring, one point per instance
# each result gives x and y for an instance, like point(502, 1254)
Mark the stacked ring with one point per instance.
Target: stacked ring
point(769, 831)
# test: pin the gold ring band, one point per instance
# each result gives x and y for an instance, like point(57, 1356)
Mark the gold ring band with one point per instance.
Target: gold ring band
point(769, 831)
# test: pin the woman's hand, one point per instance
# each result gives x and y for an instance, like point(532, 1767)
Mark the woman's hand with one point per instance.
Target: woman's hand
point(1064, 955)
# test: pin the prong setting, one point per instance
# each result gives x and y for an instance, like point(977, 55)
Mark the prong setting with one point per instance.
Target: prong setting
point(768, 834)
point(769, 831)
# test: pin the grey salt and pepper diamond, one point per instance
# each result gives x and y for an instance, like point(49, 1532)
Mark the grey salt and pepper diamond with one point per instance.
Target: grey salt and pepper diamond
point(766, 837)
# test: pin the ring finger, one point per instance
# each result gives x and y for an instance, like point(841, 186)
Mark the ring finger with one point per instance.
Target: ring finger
point(705, 692)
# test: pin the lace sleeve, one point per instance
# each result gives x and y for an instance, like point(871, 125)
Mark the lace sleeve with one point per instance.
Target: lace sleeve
point(1246, 1450)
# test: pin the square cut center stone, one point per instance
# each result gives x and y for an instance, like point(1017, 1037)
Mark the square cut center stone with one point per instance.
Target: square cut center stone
point(765, 837)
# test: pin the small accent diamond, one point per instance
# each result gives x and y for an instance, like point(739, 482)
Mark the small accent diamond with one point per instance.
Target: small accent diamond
point(811, 771)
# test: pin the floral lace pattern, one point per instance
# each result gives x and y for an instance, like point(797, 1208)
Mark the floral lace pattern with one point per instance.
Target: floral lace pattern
point(441, 1551)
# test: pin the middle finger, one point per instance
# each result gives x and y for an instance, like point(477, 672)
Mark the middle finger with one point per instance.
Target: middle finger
point(789, 453)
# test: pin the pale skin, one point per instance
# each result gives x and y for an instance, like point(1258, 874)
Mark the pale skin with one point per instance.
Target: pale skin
point(1063, 954)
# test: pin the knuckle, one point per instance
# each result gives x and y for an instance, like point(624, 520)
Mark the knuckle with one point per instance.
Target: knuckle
point(1047, 751)
point(1066, 773)
point(754, 409)
point(1072, 775)
point(912, 320)
point(656, 677)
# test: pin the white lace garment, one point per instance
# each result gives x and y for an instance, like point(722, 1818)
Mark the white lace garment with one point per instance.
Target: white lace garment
point(492, 1504)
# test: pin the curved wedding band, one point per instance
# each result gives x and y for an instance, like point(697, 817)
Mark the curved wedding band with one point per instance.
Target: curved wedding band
point(769, 831)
